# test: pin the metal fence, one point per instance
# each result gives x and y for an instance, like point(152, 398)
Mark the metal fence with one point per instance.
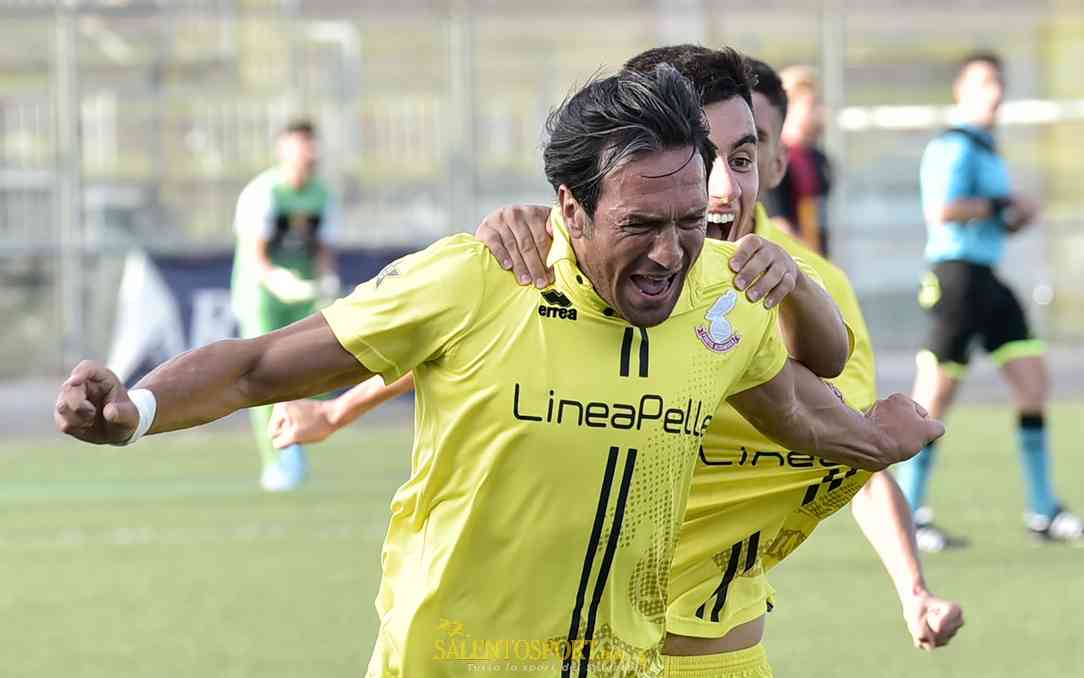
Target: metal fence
point(128, 123)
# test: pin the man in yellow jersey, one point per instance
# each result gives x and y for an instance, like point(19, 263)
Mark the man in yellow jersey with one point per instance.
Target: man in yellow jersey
point(878, 505)
point(769, 499)
point(556, 431)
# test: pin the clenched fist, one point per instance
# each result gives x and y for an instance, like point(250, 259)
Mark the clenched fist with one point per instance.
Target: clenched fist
point(932, 621)
point(905, 425)
point(94, 407)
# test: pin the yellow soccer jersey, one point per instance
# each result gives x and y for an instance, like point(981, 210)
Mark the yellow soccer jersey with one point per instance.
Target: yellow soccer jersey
point(554, 445)
point(859, 378)
point(751, 503)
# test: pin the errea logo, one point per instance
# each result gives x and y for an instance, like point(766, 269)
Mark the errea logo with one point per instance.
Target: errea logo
point(560, 306)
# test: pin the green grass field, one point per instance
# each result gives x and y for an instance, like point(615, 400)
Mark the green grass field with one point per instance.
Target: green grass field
point(165, 560)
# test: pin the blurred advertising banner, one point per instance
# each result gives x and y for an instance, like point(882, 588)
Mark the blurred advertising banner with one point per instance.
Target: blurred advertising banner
point(169, 304)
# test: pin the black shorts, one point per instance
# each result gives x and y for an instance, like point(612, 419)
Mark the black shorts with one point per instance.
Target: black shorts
point(966, 302)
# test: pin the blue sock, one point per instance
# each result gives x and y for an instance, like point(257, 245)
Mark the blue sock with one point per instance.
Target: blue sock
point(913, 476)
point(1036, 461)
point(293, 463)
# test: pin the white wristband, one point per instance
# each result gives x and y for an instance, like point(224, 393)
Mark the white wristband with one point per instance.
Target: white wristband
point(147, 406)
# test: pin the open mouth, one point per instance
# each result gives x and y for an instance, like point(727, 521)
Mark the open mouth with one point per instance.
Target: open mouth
point(653, 286)
point(721, 218)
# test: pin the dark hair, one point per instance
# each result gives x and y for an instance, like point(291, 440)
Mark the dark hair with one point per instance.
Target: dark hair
point(980, 56)
point(300, 126)
point(717, 74)
point(611, 120)
point(768, 84)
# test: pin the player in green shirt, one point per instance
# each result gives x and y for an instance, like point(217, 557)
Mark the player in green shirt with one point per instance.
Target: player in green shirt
point(286, 221)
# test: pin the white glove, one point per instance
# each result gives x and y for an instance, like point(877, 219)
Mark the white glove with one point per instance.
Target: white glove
point(290, 289)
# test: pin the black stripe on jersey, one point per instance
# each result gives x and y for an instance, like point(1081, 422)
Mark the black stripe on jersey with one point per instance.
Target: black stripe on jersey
point(643, 352)
point(724, 586)
point(832, 479)
point(589, 558)
point(752, 551)
point(720, 593)
point(607, 559)
point(838, 482)
point(626, 352)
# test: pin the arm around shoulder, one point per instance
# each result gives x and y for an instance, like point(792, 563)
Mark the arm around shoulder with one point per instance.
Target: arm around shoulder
point(801, 412)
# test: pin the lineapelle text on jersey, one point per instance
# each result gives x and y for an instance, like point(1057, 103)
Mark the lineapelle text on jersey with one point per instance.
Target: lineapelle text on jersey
point(690, 421)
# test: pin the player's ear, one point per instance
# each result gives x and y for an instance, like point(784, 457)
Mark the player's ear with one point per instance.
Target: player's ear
point(576, 219)
point(779, 164)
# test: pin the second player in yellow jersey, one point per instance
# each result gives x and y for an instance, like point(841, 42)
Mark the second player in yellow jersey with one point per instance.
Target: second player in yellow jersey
point(751, 503)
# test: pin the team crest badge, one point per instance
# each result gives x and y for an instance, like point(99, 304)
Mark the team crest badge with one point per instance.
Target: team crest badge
point(389, 271)
point(719, 335)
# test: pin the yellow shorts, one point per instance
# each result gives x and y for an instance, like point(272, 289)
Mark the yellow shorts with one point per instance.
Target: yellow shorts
point(749, 663)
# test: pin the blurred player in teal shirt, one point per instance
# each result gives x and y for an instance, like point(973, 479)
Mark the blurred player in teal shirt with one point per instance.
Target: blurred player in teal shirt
point(286, 222)
point(971, 208)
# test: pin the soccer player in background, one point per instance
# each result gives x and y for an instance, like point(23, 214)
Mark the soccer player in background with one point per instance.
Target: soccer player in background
point(738, 488)
point(971, 208)
point(285, 224)
point(556, 430)
point(799, 203)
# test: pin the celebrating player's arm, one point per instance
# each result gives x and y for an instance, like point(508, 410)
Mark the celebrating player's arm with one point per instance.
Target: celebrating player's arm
point(806, 310)
point(312, 421)
point(205, 384)
point(882, 512)
point(799, 411)
point(519, 237)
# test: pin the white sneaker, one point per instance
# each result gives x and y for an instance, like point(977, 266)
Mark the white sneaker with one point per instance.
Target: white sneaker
point(930, 538)
point(1064, 526)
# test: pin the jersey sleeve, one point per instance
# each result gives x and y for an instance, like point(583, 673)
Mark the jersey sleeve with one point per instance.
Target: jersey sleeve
point(946, 174)
point(810, 272)
point(254, 218)
point(414, 311)
point(858, 382)
point(768, 359)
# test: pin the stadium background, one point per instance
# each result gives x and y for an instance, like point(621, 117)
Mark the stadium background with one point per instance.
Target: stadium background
point(134, 124)
point(157, 113)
